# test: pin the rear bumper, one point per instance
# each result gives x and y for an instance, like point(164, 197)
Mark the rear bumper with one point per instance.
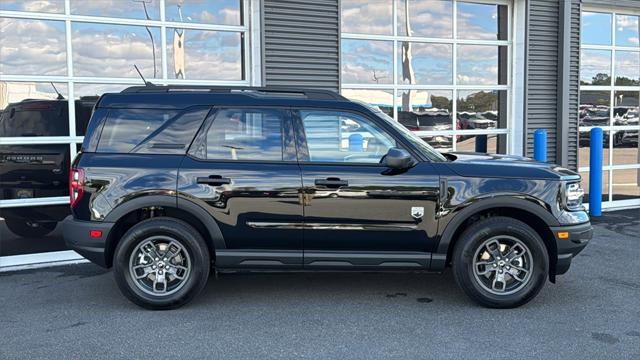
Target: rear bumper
point(77, 237)
point(579, 236)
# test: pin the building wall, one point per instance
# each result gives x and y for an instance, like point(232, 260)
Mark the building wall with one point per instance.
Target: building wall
point(301, 43)
point(552, 75)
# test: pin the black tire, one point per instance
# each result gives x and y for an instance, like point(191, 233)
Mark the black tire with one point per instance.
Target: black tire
point(468, 246)
point(29, 229)
point(188, 237)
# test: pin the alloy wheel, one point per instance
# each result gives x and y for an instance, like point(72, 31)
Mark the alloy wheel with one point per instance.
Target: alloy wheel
point(160, 265)
point(502, 265)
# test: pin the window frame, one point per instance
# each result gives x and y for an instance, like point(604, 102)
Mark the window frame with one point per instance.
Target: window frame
point(288, 138)
point(303, 149)
point(514, 27)
point(610, 129)
point(252, 71)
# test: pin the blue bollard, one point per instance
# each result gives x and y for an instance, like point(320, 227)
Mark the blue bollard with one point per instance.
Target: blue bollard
point(595, 172)
point(481, 143)
point(356, 143)
point(540, 145)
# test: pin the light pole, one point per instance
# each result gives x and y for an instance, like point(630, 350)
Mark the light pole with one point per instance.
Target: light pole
point(153, 44)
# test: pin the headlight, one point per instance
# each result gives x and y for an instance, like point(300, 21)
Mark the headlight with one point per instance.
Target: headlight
point(573, 194)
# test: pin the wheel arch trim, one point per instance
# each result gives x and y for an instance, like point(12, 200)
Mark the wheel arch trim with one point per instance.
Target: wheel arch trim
point(439, 257)
point(213, 230)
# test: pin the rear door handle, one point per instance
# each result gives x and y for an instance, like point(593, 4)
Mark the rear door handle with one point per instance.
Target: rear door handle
point(331, 182)
point(213, 180)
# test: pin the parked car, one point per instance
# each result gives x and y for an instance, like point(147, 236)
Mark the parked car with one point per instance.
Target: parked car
point(173, 184)
point(438, 120)
point(33, 171)
point(475, 121)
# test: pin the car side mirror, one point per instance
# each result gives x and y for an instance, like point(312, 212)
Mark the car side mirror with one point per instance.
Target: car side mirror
point(397, 158)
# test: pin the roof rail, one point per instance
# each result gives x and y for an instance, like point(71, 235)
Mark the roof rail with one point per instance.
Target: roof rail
point(278, 91)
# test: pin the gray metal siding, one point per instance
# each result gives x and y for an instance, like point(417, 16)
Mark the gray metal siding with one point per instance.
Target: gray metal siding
point(542, 73)
point(574, 87)
point(301, 43)
point(547, 105)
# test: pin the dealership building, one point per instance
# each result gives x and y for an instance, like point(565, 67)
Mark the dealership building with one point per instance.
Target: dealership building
point(477, 75)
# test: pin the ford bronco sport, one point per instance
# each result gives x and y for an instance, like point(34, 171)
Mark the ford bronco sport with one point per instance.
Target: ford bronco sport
point(175, 182)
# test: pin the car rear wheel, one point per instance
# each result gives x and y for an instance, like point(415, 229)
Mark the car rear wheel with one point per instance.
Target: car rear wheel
point(161, 263)
point(500, 262)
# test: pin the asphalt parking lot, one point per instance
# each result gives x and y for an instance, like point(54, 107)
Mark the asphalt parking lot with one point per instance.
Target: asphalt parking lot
point(77, 312)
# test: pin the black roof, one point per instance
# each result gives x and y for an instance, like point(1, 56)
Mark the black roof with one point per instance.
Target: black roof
point(271, 91)
point(183, 96)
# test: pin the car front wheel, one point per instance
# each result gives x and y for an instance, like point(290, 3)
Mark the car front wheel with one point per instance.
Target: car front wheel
point(161, 263)
point(500, 262)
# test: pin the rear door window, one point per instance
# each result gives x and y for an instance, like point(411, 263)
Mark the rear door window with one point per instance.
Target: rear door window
point(244, 134)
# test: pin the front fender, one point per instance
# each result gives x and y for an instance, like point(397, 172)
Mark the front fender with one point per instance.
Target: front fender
point(455, 217)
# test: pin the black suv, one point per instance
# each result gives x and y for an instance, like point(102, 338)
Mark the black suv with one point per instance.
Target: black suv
point(175, 181)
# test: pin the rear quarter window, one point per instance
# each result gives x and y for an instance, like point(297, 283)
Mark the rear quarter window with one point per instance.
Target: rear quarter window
point(150, 131)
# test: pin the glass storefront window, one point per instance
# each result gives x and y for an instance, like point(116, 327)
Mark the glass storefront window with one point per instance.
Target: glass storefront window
point(36, 128)
point(492, 144)
point(594, 108)
point(595, 67)
point(112, 50)
point(367, 17)
point(615, 106)
point(32, 47)
point(49, 6)
point(627, 30)
point(433, 66)
point(481, 110)
point(427, 18)
point(367, 61)
point(204, 55)
point(217, 12)
point(482, 21)
point(86, 96)
point(425, 110)
point(627, 68)
point(425, 63)
point(135, 9)
point(626, 184)
point(482, 65)
point(33, 109)
point(382, 99)
point(595, 28)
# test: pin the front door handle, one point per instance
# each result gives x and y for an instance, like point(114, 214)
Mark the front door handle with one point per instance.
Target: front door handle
point(331, 182)
point(213, 180)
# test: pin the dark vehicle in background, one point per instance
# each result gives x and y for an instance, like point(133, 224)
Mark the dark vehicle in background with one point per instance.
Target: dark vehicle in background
point(35, 171)
point(174, 182)
point(599, 116)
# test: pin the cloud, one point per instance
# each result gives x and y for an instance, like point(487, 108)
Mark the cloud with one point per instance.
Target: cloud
point(48, 6)
point(32, 47)
point(371, 18)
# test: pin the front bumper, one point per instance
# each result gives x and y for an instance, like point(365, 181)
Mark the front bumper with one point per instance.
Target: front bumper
point(570, 246)
point(77, 237)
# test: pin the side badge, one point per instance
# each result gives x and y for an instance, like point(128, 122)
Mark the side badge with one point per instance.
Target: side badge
point(417, 212)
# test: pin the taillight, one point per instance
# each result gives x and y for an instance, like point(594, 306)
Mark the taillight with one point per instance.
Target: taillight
point(76, 185)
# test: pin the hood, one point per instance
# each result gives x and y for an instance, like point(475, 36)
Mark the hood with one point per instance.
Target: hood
point(506, 166)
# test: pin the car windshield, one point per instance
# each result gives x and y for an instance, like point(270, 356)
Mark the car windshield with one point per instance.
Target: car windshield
point(426, 149)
